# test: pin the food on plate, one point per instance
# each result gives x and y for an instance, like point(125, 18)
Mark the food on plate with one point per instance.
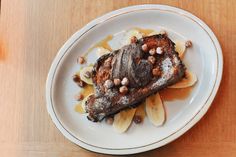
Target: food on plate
point(123, 84)
point(130, 63)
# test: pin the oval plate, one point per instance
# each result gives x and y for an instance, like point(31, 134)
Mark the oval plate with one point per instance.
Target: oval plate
point(204, 59)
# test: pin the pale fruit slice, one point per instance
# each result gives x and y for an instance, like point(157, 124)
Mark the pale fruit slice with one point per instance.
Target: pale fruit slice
point(189, 80)
point(180, 48)
point(129, 34)
point(102, 51)
point(155, 110)
point(123, 119)
point(141, 110)
point(82, 74)
point(83, 102)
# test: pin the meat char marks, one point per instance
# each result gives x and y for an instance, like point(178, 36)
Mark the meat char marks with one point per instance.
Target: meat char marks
point(150, 65)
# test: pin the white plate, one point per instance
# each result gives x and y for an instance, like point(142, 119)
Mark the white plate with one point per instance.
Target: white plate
point(204, 59)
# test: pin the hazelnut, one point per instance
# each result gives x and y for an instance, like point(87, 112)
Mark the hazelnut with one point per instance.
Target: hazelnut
point(151, 59)
point(156, 72)
point(152, 51)
point(133, 39)
point(87, 74)
point(188, 44)
point(77, 80)
point(78, 97)
point(159, 50)
point(145, 47)
point(81, 60)
point(108, 84)
point(117, 82)
point(163, 32)
point(123, 89)
point(109, 120)
point(125, 81)
point(137, 119)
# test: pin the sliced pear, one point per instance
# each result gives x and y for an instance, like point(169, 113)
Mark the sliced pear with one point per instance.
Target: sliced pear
point(180, 48)
point(155, 110)
point(189, 80)
point(123, 119)
point(83, 102)
point(83, 77)
point(102, 51)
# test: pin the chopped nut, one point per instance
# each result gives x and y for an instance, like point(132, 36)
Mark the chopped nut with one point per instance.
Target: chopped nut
point(87, 74)
point(188, 44)
point(77, 80)
point(108, 84)
point(109, 120)
point(163, 32)
point(151, 59)
point(175, 71)
point(145, 47)
point(133, 39)
point(159, 50)
point(123, 89)
point(81, 60)
point(117, 82)
point(137, 119)
point(156, 72)
point(152, 51)
point(125, 81)
point(79, 97)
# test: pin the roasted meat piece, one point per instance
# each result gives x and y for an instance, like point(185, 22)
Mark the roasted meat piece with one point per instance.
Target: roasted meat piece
point(148, 66)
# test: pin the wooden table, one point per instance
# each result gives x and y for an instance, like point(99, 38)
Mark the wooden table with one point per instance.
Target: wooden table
point(31, 32)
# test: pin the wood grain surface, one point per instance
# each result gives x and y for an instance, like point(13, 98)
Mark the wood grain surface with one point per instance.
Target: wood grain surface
point(32, 31)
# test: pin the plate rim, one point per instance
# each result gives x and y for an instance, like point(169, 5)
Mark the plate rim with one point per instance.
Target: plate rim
point(63, 50)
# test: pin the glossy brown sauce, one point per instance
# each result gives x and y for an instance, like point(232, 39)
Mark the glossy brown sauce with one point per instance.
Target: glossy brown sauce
point(87, 90)
point(171, 94)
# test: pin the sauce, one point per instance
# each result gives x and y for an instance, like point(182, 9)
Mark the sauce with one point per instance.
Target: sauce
point(171, 94)
point(79, 108)
point(87, 90)
point(145, 32)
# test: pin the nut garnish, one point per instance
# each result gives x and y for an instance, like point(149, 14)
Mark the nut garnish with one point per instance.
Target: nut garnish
point(77, 80)
point(137, 119)
point(117, 82)
point(125, 81)
point(79, 97)
point(81, 60)
point(156, 72)
point(123, 89)
point(159, 50)
point(188, 44)
point(152, 51)
point(151, 59)
point(109, 120)
point(145, 47)
point(133, 39)
point(108, 84)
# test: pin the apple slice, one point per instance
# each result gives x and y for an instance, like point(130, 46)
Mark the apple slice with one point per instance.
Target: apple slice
point(189, 80)
point(83, 77)
point(155, 110)
point(123, 119)
point(180, 48)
